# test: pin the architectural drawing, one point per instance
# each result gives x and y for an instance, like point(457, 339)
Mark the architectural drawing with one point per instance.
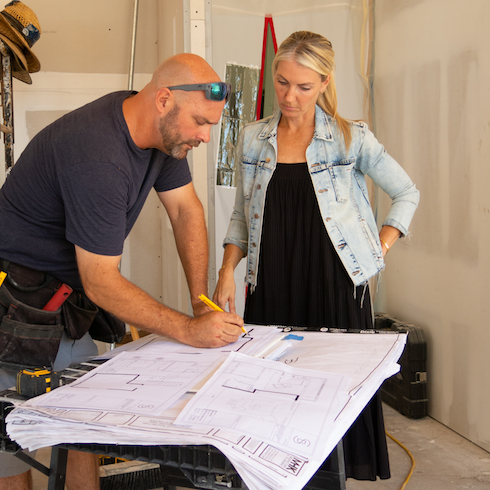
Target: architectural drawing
point(290, 409)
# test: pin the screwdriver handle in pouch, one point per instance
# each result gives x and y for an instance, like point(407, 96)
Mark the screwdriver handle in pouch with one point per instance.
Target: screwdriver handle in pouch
point(58, 298)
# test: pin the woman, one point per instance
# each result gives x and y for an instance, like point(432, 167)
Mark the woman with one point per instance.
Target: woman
point(303, 218)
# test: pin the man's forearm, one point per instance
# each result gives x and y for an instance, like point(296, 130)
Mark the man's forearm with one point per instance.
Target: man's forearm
point(106, 287)
point(192, 245)
point(129, 303)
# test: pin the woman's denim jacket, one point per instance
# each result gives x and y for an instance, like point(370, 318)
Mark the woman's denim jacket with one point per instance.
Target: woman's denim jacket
point(340, 188)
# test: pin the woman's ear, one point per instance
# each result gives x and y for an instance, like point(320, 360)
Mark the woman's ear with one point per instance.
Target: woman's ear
point(325, 83)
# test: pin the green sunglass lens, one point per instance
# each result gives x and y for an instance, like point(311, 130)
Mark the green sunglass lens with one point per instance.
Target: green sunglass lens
point(218, 91)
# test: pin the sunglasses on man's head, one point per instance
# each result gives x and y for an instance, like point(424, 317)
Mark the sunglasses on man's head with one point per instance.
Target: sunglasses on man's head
point(213, 91)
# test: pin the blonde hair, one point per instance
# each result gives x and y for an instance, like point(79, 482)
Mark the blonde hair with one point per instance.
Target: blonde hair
point(315, 52)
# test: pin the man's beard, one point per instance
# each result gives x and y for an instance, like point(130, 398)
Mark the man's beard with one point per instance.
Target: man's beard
point(171, 139)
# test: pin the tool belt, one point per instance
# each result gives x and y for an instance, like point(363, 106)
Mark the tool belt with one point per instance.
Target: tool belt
point(29, 335)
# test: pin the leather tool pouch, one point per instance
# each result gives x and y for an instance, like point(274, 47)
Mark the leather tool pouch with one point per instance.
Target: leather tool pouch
point(29, 335)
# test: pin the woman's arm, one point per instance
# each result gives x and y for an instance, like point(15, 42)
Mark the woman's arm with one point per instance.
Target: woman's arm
point(388, 236)
point(386, 172)
point(225, 289)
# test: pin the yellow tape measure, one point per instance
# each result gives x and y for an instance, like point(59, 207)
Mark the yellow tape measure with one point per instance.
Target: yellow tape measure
point(34, 382)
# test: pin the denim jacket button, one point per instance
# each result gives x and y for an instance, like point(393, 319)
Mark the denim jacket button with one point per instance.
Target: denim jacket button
point(328, 219)
point(267, 160)
point(254, 244)
point(259, 186)
point(256, 216)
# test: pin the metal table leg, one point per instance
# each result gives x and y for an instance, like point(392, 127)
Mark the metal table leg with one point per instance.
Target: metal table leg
point(57, 474)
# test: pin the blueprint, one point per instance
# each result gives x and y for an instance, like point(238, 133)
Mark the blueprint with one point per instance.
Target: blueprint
point(291, 408)
point(258, 342)
point(275, 421)
point(134, 382)
point(271, 466)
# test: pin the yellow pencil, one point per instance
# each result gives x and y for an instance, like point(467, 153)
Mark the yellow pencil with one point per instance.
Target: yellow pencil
point(3, 275)
point(214, 306)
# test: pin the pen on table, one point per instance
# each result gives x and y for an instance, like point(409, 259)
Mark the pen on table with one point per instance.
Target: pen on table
point(3, 275)
point(214, 306)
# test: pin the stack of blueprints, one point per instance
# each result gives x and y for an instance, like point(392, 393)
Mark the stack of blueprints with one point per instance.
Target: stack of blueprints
point(275, 403)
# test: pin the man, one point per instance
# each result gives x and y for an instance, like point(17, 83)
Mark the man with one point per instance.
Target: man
point(75, 192)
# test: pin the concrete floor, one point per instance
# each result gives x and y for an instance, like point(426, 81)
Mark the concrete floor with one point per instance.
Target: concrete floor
point(444, 460)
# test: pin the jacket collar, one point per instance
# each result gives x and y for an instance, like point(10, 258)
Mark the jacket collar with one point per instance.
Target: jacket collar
point(323, 122)
point(270, 128)
point(322, 125)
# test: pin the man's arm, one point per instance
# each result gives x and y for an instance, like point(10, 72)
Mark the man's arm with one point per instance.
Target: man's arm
point(107, 288)
point(186, 215)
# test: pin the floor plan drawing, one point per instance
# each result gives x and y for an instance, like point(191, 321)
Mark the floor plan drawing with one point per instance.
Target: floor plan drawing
point(275, 421)
point(288, 408)
point(136, 383)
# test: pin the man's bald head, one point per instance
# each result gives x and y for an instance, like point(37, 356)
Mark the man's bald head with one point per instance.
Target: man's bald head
point(184, 68)
point(174, 121)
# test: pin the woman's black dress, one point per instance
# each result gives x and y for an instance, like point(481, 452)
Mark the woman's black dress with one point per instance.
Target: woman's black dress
point(302, 282)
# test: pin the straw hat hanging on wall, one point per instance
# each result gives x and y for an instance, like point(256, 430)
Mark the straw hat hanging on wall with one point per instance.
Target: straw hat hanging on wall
point(20, 29)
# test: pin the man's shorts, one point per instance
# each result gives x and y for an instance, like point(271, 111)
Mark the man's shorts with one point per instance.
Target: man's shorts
point(70, 352)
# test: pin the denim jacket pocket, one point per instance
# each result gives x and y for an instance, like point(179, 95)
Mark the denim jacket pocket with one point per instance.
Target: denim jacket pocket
point(377, 252)
point(249, 169)
point(361, 182)
point(341, 176)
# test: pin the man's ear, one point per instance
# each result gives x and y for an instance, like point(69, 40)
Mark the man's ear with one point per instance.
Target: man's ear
point(163, 100)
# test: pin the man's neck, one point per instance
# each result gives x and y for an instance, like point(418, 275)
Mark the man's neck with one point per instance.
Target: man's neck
point(134, 112)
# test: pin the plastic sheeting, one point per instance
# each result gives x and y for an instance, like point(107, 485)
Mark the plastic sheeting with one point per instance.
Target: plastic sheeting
point(239, 110)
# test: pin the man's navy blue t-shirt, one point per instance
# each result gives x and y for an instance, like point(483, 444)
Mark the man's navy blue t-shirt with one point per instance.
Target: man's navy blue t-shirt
point(81, 181)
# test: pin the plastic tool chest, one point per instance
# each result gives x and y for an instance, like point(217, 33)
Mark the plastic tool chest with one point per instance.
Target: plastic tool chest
point(406, 391)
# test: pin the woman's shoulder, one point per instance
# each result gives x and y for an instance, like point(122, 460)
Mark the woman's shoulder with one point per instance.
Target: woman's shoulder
point(260, 129)
point(256, 125)
point(358, 128)
point(359, 123)
point(354, 125)
point(260, 123)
